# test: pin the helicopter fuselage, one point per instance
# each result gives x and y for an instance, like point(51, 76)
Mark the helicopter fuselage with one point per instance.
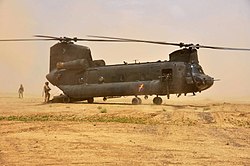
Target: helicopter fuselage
point(73, 70)
point(81, 78)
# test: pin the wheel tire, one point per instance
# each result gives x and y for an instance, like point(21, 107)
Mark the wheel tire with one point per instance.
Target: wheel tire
point(91, 100)
point(157, 100)
point(135, 101)
point(66, 100)
point(140, 101)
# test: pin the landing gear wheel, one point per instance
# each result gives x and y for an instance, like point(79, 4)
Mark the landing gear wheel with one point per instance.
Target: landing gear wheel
point(91, 100)
point(140, 101)
point(136, 101)
point(157, 100)
point(66, 100)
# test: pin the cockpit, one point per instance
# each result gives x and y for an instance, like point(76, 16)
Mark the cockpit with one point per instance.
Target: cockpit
point(201, 80)
point(197, 69)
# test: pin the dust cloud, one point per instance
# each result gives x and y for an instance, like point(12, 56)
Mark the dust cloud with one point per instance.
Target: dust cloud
point(19, 61)
point(223, 23)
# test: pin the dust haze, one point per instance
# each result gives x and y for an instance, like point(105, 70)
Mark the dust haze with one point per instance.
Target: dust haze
point(197, 130)
point(216, 23)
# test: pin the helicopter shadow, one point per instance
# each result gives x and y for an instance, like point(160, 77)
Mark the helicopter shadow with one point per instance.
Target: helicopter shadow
point(85, 103)
point(111, 103)
point(181, 106)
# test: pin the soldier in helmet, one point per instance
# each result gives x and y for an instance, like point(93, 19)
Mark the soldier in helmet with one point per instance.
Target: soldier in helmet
point(20, 91)
point(46, 90)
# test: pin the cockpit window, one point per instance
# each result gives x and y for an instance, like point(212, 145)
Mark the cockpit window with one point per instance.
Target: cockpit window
point(197, 69)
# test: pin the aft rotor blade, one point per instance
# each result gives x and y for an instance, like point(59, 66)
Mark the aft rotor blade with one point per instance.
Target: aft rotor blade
point(49, 37)
point(223, 48)
point(135, 40)
point(12, 40)
point(75, 39)
point(100, 40)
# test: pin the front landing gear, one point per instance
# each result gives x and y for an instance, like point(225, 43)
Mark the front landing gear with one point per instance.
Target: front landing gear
point(136, 101)
point(157, 100)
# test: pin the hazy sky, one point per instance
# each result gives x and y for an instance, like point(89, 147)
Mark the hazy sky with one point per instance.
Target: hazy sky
point(213, 22)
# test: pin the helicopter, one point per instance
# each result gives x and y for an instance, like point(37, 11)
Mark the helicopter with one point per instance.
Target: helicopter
point(73, 70)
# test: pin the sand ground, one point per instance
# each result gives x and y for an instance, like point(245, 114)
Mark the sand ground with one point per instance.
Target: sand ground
point(183, 131)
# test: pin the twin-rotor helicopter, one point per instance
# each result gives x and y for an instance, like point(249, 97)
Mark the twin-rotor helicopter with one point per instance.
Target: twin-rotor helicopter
point(73, 70)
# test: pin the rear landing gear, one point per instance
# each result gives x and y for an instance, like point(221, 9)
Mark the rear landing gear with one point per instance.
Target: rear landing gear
point(66, 100)
point(157, 100)
point(136, 101)
point(91, 100)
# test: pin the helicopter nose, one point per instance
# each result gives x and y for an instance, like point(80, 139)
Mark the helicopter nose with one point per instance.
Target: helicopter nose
point(203, 82)
point(209, 81)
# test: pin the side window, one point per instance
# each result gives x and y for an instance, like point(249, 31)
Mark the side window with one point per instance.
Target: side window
point(166, 74)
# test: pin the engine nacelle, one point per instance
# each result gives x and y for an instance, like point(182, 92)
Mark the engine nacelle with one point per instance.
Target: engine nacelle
point(75, 64)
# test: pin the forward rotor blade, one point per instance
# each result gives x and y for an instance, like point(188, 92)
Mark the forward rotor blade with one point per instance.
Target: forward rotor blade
point(224, 48)
point(135, 40)
point(173, 44)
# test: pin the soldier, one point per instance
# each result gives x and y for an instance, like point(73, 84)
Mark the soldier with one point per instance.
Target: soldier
point(46, 90)
point(20, 91)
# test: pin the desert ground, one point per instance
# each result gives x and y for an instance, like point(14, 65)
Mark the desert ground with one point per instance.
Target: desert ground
point(181, 131)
